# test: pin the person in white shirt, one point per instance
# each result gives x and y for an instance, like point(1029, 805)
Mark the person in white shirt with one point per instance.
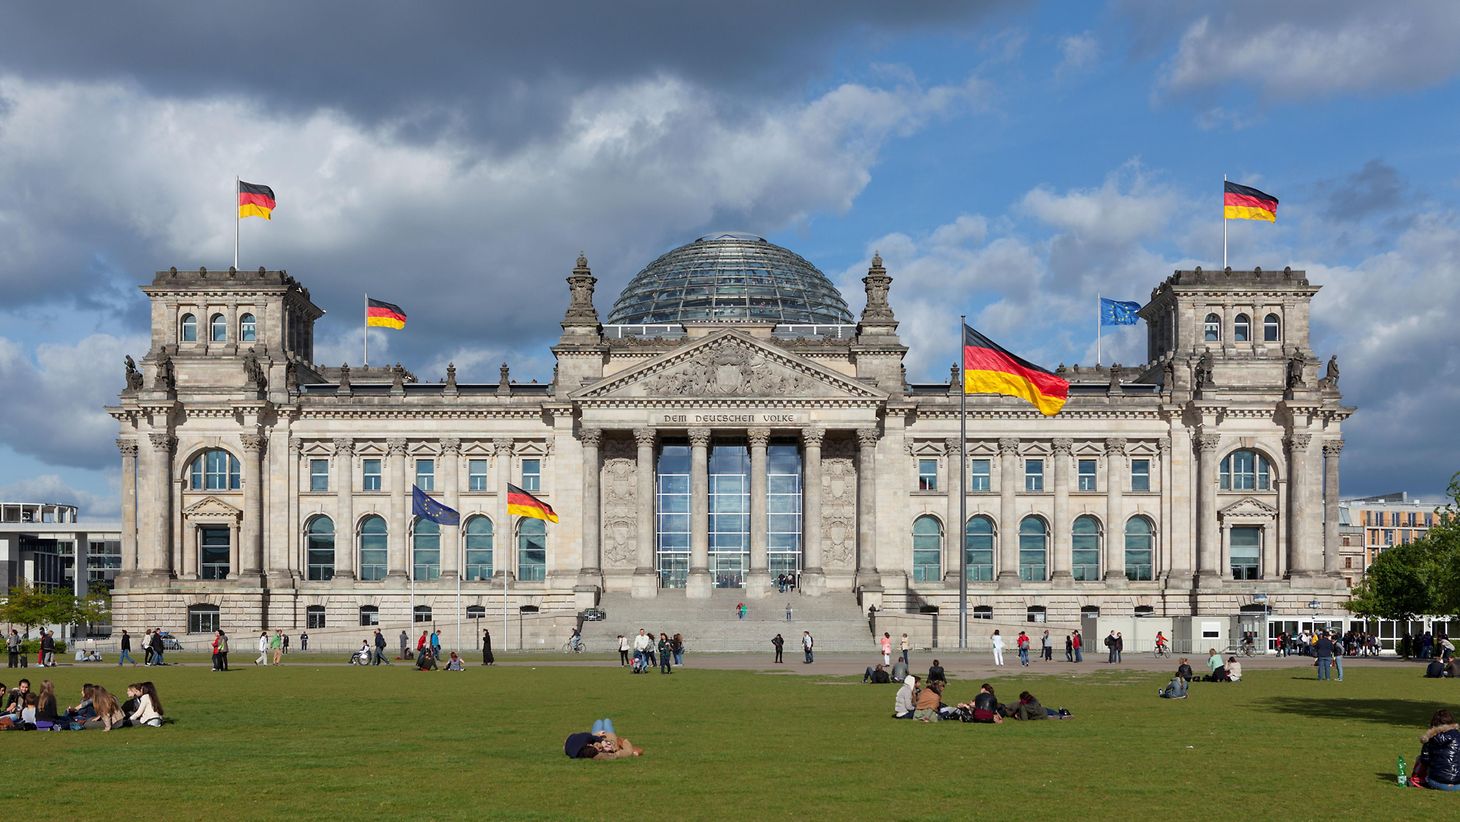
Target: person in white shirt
point(149, 708)
point(1234, 670)
point(902, 705)
point(263, 658)
point(998, 649)
point(623, 650)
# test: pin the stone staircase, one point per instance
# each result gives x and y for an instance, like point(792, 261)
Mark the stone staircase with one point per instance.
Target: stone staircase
point(836, 622)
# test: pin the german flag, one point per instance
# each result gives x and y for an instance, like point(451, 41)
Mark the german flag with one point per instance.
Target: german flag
point(989, 369)
point(255, 200)
point(1247, 203)
point(522, 504)
point(384, 314)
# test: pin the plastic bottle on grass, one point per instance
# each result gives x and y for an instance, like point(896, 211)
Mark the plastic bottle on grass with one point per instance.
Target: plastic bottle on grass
point(1403, 781)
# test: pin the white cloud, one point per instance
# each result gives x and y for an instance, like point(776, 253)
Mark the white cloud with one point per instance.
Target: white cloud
point(1078, 52)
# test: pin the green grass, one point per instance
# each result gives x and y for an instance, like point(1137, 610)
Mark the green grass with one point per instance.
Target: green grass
point(335, 742)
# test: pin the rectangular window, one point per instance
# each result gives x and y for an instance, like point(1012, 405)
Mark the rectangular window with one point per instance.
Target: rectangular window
point(369, 616)
point(202, 620)
point(1246, 544)
point(672, 511)
point(370, 478)
point(980, 475)
point(426, 475)
point(213, 549)
point(476, 475)
point(783, 508)
point(1087, 475)
point(314, 617)
point(927, 475)
point(1140, 475)
point(103, 560)
point(319, 475)
point(1034, 475)
point(1388, 537)
point(532, 475)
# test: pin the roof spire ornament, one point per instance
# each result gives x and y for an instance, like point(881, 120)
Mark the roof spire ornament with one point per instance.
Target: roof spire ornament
point(580, 296)
point(878, 312)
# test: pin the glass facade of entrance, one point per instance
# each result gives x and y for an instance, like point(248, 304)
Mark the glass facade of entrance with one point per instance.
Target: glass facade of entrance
point(671, 506)
point(729, 513)
point(783, 506)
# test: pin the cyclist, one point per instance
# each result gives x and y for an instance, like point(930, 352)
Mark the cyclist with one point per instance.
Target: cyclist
point(1160, 644)
point(575, 642)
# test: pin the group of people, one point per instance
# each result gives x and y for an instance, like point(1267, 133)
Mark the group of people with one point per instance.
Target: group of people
point(1024, 643)
point(925, 704)
point(1219, 669)
point(45, 652)
point(664, 654)
point(1427, 646)
point(808, 647)
point(22, 709)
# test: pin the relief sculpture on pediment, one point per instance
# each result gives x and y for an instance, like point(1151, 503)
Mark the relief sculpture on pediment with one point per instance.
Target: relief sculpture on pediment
point(730, 370)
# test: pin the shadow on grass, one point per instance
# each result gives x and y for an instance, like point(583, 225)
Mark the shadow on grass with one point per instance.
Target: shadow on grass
point(1410, 713)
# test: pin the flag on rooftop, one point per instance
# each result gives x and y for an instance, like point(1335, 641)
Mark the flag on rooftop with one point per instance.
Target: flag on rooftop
point(384, 314)
point(1119, 312)
point(1241, 202)
point(989, 369)
point(255, 200)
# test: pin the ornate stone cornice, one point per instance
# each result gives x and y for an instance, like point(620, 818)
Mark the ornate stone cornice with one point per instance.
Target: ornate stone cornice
point(1062, 446)
point(812, 436)
point(645, 437)
point(758, 437)
point(1332, 448)
point(1008, 445)
point(867, 437)
point(591, 437)
point(699, 437)
point(396, 446)
point(128, 447)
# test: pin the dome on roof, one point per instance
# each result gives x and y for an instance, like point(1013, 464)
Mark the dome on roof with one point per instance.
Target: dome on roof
point(729, 278)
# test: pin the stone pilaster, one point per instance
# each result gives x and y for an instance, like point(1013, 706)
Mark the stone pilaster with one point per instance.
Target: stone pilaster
point(1331, 451)
point(1114, 542)
point(1208, 538)
point(758, 582)
point(646, 579)
point(1300, 557)
point(699, 584)
point(813, 575)
point(344, 482)
point(128, 449)
point(591, 572)
point(400, 495)
point(251, 551)
point(1009, 481)
point(451, 544)
point(868, 578)
point(504, 539)
point(154, 552)
point(1062, 543)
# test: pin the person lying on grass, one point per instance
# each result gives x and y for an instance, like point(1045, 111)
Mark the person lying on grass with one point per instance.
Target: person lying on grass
point(601, 743)
point(1029, 708)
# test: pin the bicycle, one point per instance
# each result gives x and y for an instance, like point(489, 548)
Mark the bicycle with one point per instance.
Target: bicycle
point(1163, 651)
point(569, 648)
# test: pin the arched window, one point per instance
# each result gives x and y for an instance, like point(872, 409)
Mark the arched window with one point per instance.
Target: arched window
point(927, 549)
point(531, 551)
point(1085, 549)
point(478, 548)
point(1242, 328)
point(422, 613)
point(202, 619)
point(369, 616)
point(218, 328)
point(1140, 541)
point(1246, 470)
point(248, 328)
point(476, 612)
point(319, 547)
point(372, 548)
point(314, 616)
point(978, 543)
point(1212, 328)
point(426, 551)
point(1272, 328)
point(187, 330)
point(1033, 549)
point(214, 470)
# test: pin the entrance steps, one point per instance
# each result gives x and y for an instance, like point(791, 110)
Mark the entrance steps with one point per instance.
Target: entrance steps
point(836, 621)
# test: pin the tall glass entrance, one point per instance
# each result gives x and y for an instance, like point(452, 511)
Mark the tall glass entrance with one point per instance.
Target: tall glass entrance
point(729, 513)
point(783, 507)
point(672, 507)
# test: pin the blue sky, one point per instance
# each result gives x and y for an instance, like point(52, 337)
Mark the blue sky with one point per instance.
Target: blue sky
point(1009, 160)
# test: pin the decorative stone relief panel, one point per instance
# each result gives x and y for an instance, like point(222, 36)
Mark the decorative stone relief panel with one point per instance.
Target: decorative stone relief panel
point(620, 502)
point(839, 503)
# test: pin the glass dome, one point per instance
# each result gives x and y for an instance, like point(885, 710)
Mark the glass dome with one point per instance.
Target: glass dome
point(729, 278)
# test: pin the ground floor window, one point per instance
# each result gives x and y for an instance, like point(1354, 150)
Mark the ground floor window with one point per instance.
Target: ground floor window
point(202, 619)
point(369, 616)
point(475, 612)
point(983, 612)
point(422, 613)
point(314, 616)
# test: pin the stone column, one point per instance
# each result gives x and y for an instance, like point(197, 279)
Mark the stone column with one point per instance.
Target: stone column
point(1114, 542)
point(234, 543)
point(1208, 548)
point(189, 569)
point(868, 578)
point(591, 572)
point(450, 495)
point(758, 582)
point(1062, 544)
point(1331, 450)
point(504, 537)
point(128, 447)
point(400, 495)
point(1275, 548)
point(1008, 526)
point(646, 580)
point(699, 584)
point(155, 532)
point(251, 551)
point(1299, 560)
point(813, 576)
point(344, 479)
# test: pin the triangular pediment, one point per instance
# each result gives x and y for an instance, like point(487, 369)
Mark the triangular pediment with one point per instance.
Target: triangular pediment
point(730, 364)
point(1248, 507)
point(212, 508)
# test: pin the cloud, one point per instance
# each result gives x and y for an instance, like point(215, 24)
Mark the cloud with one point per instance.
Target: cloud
point(1078, 52)
point(1373, 189)
point(1310, 48)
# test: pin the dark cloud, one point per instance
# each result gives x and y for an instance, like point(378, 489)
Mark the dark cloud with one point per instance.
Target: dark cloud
point(1371, 190)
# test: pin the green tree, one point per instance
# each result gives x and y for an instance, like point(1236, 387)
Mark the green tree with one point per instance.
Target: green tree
point(28, 606)
point(1422, 577)
point(1443, 545)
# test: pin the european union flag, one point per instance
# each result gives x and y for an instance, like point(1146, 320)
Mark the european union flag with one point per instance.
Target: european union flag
point(1118, 312)
point(423, 506)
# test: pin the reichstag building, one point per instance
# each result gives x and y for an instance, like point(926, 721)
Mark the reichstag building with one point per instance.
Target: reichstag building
point(730, 422)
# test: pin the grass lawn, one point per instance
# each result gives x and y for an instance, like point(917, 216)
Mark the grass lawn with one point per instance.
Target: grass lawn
point(335, 742)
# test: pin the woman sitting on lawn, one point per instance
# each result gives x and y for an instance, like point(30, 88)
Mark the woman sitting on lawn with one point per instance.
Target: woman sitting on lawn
point(903, 703)
point(1439, 756)
point(928, 702)
point(108, 713)
point(1234, 669)
point(454, 663)
point(46, 714)
point(1184, 671)
point(985, 706)
point(149, 707)
point(1175, 689)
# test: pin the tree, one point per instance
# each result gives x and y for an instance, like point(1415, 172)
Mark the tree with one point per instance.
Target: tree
point(1420, 578)
point(29, 606)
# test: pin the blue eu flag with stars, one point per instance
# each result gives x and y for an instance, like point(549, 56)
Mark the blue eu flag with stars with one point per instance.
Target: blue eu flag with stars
point(1118, 312)
point(423, 506)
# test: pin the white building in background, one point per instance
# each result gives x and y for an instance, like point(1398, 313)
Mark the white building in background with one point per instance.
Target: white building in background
point(49, 545)
point(731, 422)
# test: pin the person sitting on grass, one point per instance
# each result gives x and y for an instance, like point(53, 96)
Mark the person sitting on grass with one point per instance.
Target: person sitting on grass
point(899, 670)
point(876, 676)
point(108, 713)
point(985, 706)
point(903, 703)
point(1029, 708)
point(454, 663)
point(1175, 689)
point(1435, 669)
point(929, 699)
point(601, 743)
point(47, 715)
point(84, 709)
point(936, 674)
point(1217, 666)
point(1183, 669)
point(1234, 669)
point(1438, 765)
point(424, 660)
point(149, 708)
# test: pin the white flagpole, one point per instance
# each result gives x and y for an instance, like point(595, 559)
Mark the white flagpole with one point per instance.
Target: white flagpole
point(367, 330)
point(460, 568)
point(1097, 329)
point(506, 581)
point(962, 491)
point(237, 220)
point(1224, 222)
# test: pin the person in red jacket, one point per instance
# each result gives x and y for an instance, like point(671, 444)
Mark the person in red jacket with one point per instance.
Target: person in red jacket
point(1023, 644)
point(1078, 643)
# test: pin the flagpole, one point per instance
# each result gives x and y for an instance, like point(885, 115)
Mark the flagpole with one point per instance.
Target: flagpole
point(962, 493)
point(460, 568)
point(367, 329)
point(1224, 222)
point(506, 581)
point(237, 220)
point(1097, 329)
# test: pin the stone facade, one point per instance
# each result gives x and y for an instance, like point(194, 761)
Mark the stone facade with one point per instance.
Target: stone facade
point(243, 452)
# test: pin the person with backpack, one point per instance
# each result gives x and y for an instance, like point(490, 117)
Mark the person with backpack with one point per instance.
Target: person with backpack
point(379, 649)
point(1022, 643)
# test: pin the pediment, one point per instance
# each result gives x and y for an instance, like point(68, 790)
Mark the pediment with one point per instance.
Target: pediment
point(730, 364)
point(212, 508)
point(1248, 507)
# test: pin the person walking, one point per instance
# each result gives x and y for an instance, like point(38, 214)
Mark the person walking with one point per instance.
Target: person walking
point(1078, 642)
point(779, 644)
point(623, 651)
point(147, 648)
point(223, 648)
point(276, 645)
point(126, 650)
point(158, 649)
point(886, 642)
point(487, 657)
point(807, 644)
point(788, 612)
point(48, 649)
point(904, 646)
point(263, 657)
point(436, 644)
point(1069, 647)
point(379, 649)
point(1048, 645)
point(1022, 643)
point(998, 642)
